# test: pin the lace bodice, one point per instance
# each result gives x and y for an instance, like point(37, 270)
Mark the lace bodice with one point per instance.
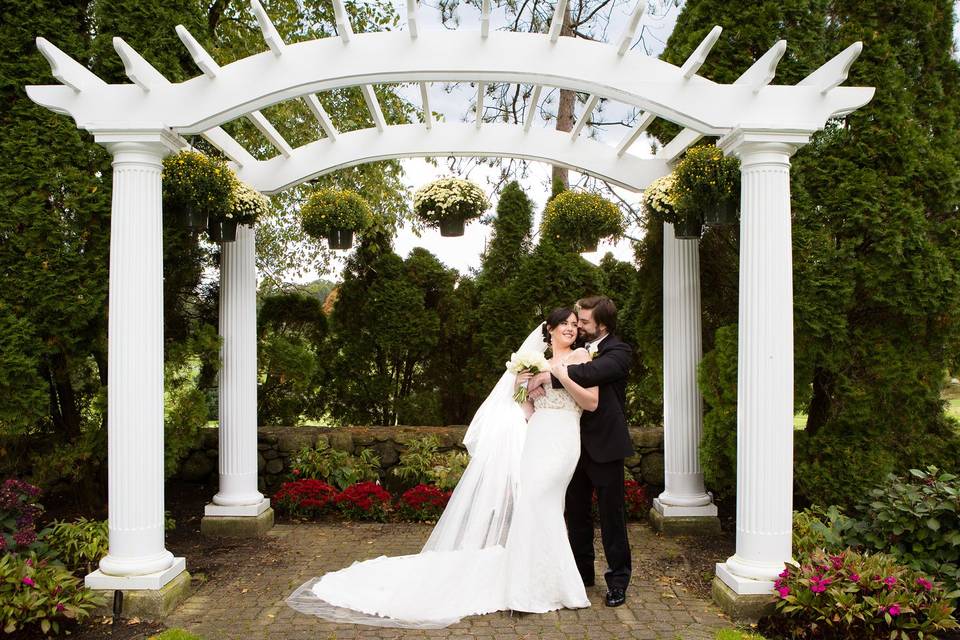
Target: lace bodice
point(557, 399)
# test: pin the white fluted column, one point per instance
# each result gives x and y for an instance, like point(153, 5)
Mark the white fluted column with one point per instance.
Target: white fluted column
point(684, 496)
point(238, 495)
point(137, 558)
point(764, 362)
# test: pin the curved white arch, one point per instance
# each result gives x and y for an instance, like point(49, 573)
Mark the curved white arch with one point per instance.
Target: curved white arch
point(447, 139)
point(225, 93)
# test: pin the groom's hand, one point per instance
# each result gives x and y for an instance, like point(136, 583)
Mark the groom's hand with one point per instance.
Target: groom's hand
point(537, 382)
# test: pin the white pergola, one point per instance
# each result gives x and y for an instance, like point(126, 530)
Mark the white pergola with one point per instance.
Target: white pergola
point(140, 123)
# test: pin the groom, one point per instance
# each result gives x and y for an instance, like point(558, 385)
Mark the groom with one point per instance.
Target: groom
point(605, 443)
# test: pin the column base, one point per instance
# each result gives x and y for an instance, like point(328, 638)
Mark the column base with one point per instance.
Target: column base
point(741, 607)
point(684, 521)
point(243, 510)
point(252, 526)
point(150, 581)
point(152, 604)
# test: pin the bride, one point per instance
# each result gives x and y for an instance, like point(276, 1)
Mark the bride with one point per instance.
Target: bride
point(501, 543)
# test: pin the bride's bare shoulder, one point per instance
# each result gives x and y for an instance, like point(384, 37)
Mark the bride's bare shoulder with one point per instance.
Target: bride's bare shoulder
point(579, 356)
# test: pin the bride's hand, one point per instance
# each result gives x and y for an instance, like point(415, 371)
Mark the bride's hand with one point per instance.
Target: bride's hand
point(559, 370)
point(522, 379)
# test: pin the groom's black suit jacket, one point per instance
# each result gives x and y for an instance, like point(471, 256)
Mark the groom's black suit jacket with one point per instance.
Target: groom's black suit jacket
point(603, 433)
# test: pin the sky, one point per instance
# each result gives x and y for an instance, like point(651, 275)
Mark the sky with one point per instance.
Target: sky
point(463, 253)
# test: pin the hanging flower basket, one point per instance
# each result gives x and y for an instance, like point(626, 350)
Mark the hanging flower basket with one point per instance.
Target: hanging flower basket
point(196, 185)
point(247, 205)
point(581, 220)
point(722, 213)
point(340, 239)
point(448, 204)
point(223, 230)
point(335, 214)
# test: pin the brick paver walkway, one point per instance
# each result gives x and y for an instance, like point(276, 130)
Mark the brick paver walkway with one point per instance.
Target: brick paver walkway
point(249, 604)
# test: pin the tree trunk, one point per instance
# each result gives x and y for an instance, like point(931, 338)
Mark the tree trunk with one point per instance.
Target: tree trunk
point(819, 409)
point(565, 108)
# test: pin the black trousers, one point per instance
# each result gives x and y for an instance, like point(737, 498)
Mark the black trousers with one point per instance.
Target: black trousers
point(607, 479)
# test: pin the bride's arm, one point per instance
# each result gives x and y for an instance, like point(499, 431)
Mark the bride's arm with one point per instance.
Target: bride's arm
point(589, 398)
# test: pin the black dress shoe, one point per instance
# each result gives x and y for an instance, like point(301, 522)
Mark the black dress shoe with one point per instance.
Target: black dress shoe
point(616, 597)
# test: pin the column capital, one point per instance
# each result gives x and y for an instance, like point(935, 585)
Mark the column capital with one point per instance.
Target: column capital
point(158, 142)
point(744, 141)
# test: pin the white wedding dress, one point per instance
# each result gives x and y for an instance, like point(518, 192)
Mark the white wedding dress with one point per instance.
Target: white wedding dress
point(515, 557)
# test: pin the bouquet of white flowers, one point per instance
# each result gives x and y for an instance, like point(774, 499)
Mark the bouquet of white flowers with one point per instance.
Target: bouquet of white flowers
point(526, 361)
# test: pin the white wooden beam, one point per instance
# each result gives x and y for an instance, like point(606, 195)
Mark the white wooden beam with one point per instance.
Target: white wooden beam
point(412, 18)
point(761, 72)
point(141, 72)
point(425, 101)
point(229, 146)
point(532, 109)
point(270, 34)
point(481, 87)
point(200, 56)
point(321, 115)
point(485, 19)
point(699, 55)
point(833, 73)
point(642, 123)
point(263, 125)
point(587, 111)
point(343, 21)
point(67, 70)
point(631, 30)
point(556, 24)
point(374, 106)
point(680, 143)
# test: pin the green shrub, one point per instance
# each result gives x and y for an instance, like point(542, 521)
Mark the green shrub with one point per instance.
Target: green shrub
point(831, 469)
point(19, 509)
point(916, 519)
point(79, 544)
point(338, 468)
point(849, 595)
point(817, 529)
point(40, 594)
point(582, 218)
point(422, 463)
point(175, 634)
point(717, 380)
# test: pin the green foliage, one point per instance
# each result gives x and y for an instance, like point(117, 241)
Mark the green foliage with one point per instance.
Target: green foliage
point(194, 180)
point(421, 462)
point(36, 593)
point(581, 218)
point(175, 634)
point(817, 529)
point(717, 379)
point(291, 352)
point(338, 468)
point(329, 209)
point(449, 198)
point(917, 520)
point(736, 634)
point(79, 544)
point(850, 595)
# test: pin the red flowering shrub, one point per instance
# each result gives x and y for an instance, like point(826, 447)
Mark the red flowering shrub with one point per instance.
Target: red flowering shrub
point(19, 510)
point(306, 498)
point(850, 595)
point(364, 501)
point(636, 499)
point(423, 503)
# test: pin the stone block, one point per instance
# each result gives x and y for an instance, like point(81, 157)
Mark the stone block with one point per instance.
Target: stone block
point(745, 608)
point(294, 439)
point(684, 525)
point(196, 467)
point(387, 451)
point(237, 526)
point(261, 463)
point(151, 604)
point(647, 438)
point(341, 440)
point(651, 468)
point(270, 454)
point(274, 466)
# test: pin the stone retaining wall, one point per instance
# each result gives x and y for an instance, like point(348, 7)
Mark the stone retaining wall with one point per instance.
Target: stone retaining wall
point(276, 445)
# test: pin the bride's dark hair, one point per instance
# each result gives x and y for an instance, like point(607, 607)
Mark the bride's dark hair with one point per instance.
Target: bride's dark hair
point(553, 321)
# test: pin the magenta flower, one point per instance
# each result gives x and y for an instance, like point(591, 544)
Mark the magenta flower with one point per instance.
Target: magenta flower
point(783, 590)
point(855, 577)
point(785, 573)
point(894, 610)
point(890, 581)
point(925, 584)
point(60, 608)
point(819, 584)
point(836, 561)
point(27, 580)
point(25, 537)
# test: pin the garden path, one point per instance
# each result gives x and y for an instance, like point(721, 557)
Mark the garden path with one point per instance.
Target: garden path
point(248, 603)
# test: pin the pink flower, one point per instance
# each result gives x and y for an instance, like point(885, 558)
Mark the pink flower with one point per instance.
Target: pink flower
point(785, 573)
point(819, 584)
point(27, 580)
point(60, 607)
point(855, 577)
point(894, 610)
point(836, 561)
point(925, 584)
point(783, 590)
point(890, 581)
